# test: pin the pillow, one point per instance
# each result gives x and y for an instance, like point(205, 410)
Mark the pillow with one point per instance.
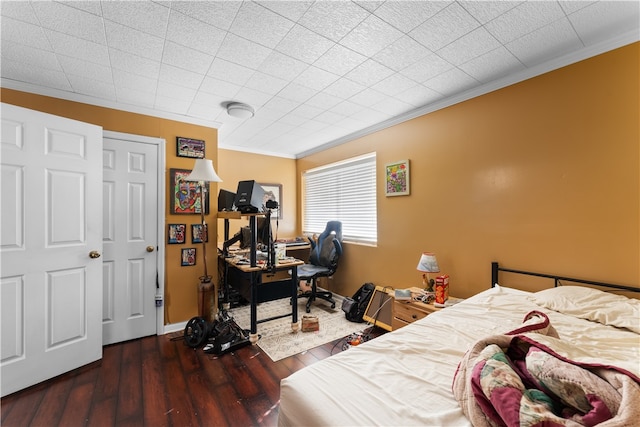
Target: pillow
point(592, 304)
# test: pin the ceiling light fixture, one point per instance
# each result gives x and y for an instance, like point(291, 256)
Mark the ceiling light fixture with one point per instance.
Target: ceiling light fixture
point(239, 110)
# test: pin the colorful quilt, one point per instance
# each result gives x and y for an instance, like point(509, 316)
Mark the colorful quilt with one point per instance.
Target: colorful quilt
point(517, 380)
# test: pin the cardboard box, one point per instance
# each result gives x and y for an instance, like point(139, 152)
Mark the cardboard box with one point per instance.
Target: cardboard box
point(442, 289)
point(310, 323)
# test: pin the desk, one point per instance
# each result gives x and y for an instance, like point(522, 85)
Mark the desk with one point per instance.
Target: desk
point(250, 280)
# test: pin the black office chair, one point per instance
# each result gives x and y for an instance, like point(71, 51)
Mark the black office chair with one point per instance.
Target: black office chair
point(323, 262)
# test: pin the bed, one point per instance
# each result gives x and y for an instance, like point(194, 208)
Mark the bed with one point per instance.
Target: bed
point(406, 377)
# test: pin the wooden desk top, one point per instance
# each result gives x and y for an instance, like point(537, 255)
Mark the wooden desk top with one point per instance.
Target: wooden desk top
point(262, 265)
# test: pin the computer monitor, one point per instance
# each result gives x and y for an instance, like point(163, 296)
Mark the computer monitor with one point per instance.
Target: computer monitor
point(226, 201)
point(249, 197)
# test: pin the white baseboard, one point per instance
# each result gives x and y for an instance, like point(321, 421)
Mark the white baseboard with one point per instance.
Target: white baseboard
point(174, 327)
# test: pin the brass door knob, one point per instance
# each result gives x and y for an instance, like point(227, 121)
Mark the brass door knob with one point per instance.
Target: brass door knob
point(150, 248)
point(94, 254)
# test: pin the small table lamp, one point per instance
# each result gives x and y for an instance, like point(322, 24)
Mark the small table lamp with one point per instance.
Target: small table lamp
point(428, 264)
point(202, 172)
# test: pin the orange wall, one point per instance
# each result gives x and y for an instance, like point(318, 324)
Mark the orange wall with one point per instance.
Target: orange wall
point(180, 282)
point(542, 175)
point(235, 166)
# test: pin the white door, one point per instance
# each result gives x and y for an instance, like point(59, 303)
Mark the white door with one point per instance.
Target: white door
point(130, 238)
point(50, 243)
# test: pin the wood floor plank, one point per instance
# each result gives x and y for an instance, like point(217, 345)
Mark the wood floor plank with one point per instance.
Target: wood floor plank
point(53, 402)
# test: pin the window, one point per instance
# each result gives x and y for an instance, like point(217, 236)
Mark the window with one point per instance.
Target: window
point(346, 192)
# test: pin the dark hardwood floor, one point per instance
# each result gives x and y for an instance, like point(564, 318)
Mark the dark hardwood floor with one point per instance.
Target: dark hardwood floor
point(160, 381)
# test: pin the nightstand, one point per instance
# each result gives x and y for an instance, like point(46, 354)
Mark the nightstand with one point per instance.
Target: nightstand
point(405, 312)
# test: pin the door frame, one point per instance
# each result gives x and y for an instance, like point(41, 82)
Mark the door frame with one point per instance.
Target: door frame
point(161, 142)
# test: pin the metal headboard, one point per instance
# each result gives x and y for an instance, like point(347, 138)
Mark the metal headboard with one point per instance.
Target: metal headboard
point(495, 269)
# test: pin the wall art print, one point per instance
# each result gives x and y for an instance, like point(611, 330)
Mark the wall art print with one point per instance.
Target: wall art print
point(189, 147)
point(199, 233)
point(397, 178)
point(188, 257)
point(185, 196)
point(176, 233)
point(273, 192)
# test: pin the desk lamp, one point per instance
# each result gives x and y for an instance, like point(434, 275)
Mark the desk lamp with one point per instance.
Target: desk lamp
point(202, 172)
point(428, 264)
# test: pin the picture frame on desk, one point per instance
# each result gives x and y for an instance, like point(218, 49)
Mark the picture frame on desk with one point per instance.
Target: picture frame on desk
point(273, 192)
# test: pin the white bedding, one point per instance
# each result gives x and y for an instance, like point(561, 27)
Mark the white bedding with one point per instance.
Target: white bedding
point(405, 377)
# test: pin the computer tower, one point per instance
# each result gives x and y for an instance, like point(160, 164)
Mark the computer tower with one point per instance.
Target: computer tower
point(226, 201)
point(249, 197)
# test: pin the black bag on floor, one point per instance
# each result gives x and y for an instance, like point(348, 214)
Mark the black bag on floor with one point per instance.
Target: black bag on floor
point(355, 306)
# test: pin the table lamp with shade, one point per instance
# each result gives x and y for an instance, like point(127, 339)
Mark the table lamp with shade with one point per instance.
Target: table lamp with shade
point(202, 172)
point(428, 264)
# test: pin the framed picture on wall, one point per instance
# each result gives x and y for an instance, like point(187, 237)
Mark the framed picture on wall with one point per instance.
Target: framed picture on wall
point(397, 178)
point(273, 192)
point(184, 195)
point(189, 147)
point(188, 257)
point(176, 233)
point(199, 233)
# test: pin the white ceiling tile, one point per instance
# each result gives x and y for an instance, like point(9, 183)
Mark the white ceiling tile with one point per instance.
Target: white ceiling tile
point(344, 88)
point(332, 19)
point(401, 53)
point(546, 43)
point(283, 66)
point(146, 16)
point(134, 41)
point(297, 92)
point(393, 84)
point(605, 19)
point(392, 107)
point(171, 105)
point(469, 46)
point(307, 111)
point(136, 97)
point(339, 60)
point(371, 36)
point(315, 78)
point(134, 64)
point(20, 10)
point(27, 73)
point(68, 20)
point(219, 87)
point(492, 65)
point(304, 44)
point(78, 67)
point(485, 11)
point(253, 97)
point(64, 44)
point(242, 51)
point(369, 73)
point(23, 33)
point(214, 103)
point(204, 111)
point(261, 25)
point(181, 77)
point(280, 106)
point(407, 15)
point(426, 68)
point(124, 79)
point(198, 35)
point(189, 59)
point(523, 19)
point(367, 97)
point(371, 117)
point(418, 96)
point(292, 10)
point(266, 83)
point(446, 26)
point(323, 101)
point(450, 82)
point(90, 6)
point(217, 13)
point(230, 72)
point(171, 90)
point(29, 55)
point(329, 117)
point(91, 87)
point(346, 108)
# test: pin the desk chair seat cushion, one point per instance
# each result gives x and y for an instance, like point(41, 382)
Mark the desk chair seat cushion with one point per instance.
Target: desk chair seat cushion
point(309, 271)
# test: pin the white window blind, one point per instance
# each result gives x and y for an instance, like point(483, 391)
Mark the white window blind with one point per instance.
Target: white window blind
point(346, 192)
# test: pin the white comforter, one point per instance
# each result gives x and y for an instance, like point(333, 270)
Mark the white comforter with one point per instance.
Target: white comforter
point(405, 377)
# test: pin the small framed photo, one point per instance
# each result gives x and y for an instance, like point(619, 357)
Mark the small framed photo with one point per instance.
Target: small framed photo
point(199, 233)
point(189, 147)
point(185, 195)
point(176, 233)
point(188, 257)
point(273, 192)
point(397, 178)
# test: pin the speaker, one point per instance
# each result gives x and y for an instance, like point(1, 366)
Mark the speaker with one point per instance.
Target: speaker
point(380, 309)
point(249, 197)
point(226, 201)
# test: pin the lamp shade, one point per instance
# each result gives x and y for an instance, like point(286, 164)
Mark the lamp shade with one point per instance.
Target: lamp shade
point(240, 110)
point(428, 263)
point(203, 171)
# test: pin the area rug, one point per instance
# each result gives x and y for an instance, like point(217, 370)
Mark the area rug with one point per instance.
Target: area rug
point(277, 339)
